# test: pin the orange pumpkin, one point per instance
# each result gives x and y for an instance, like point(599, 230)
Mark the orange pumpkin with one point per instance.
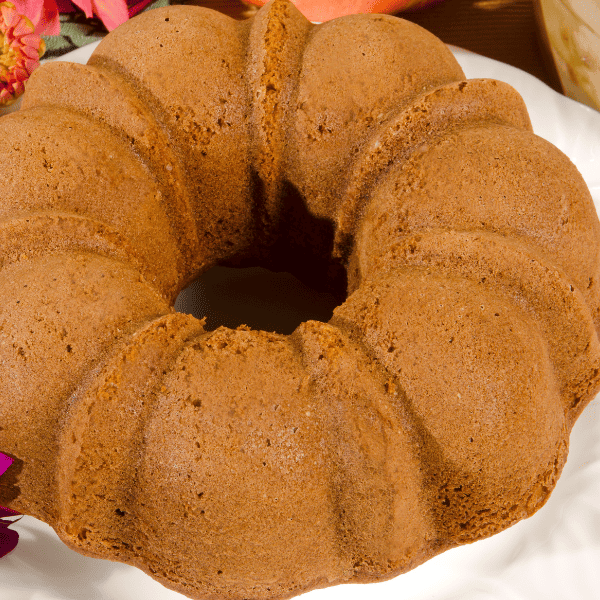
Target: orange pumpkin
point(325, 10)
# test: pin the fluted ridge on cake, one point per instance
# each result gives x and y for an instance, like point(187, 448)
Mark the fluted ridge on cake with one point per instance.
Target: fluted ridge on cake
point(205, 111)
point(77, 166)
point(498, 190)
point(411, 129)
point(464, 394)
point(277, 40)
point(336, 109)
point(527, 279)
point(112, 403)
point(105, 97)
point(62, 312)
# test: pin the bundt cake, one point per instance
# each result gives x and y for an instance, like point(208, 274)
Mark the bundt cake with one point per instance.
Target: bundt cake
point(432, 410)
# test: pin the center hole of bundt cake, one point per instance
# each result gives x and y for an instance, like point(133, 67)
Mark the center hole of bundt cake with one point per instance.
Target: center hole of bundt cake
point(257, 297)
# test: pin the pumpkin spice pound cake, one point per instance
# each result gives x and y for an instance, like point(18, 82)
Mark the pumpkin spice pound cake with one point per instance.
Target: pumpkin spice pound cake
point(432, 410)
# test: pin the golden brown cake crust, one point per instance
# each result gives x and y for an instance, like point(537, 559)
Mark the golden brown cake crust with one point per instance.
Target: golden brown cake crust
point(434, 409)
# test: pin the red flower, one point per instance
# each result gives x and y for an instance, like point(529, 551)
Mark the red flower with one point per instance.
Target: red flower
point(111, 12)
point(20, 52)
point(324, 10)
point(44, 14)
point(8, 537)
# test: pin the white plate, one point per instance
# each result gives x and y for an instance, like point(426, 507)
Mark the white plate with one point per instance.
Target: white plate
point(555, 555)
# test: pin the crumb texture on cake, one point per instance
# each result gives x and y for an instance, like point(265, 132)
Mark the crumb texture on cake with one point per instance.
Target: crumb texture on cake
point(434, 408)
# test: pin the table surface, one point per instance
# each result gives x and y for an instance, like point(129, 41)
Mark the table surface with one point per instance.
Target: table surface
point(505, 30)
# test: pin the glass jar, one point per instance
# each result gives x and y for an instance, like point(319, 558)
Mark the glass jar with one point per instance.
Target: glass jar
point(571, 29)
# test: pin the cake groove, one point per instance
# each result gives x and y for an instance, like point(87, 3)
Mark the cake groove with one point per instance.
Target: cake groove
point(35, 182)
point(106, 97)
point(427, 118)
point(396, 336)
point(525, 277)
point(487, 196)
point(206, 117)
point(124, 387)
point(37, 233)
point(277, 41)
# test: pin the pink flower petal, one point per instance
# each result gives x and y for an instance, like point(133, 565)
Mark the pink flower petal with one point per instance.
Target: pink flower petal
point(5, 462)
point(5, 95)
point(42, 13)
point(31, 9)
point(135, 7)
point(86, 6)
point(25, 7)
point(31, 40)
point(20, 74)
point(8, 538)
point(10, 16)
point(64, 6)
point(49, 23)
point(112, 12)
point(7, 512)
point(22, 28)
point(31, 65)
point(30, 52)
